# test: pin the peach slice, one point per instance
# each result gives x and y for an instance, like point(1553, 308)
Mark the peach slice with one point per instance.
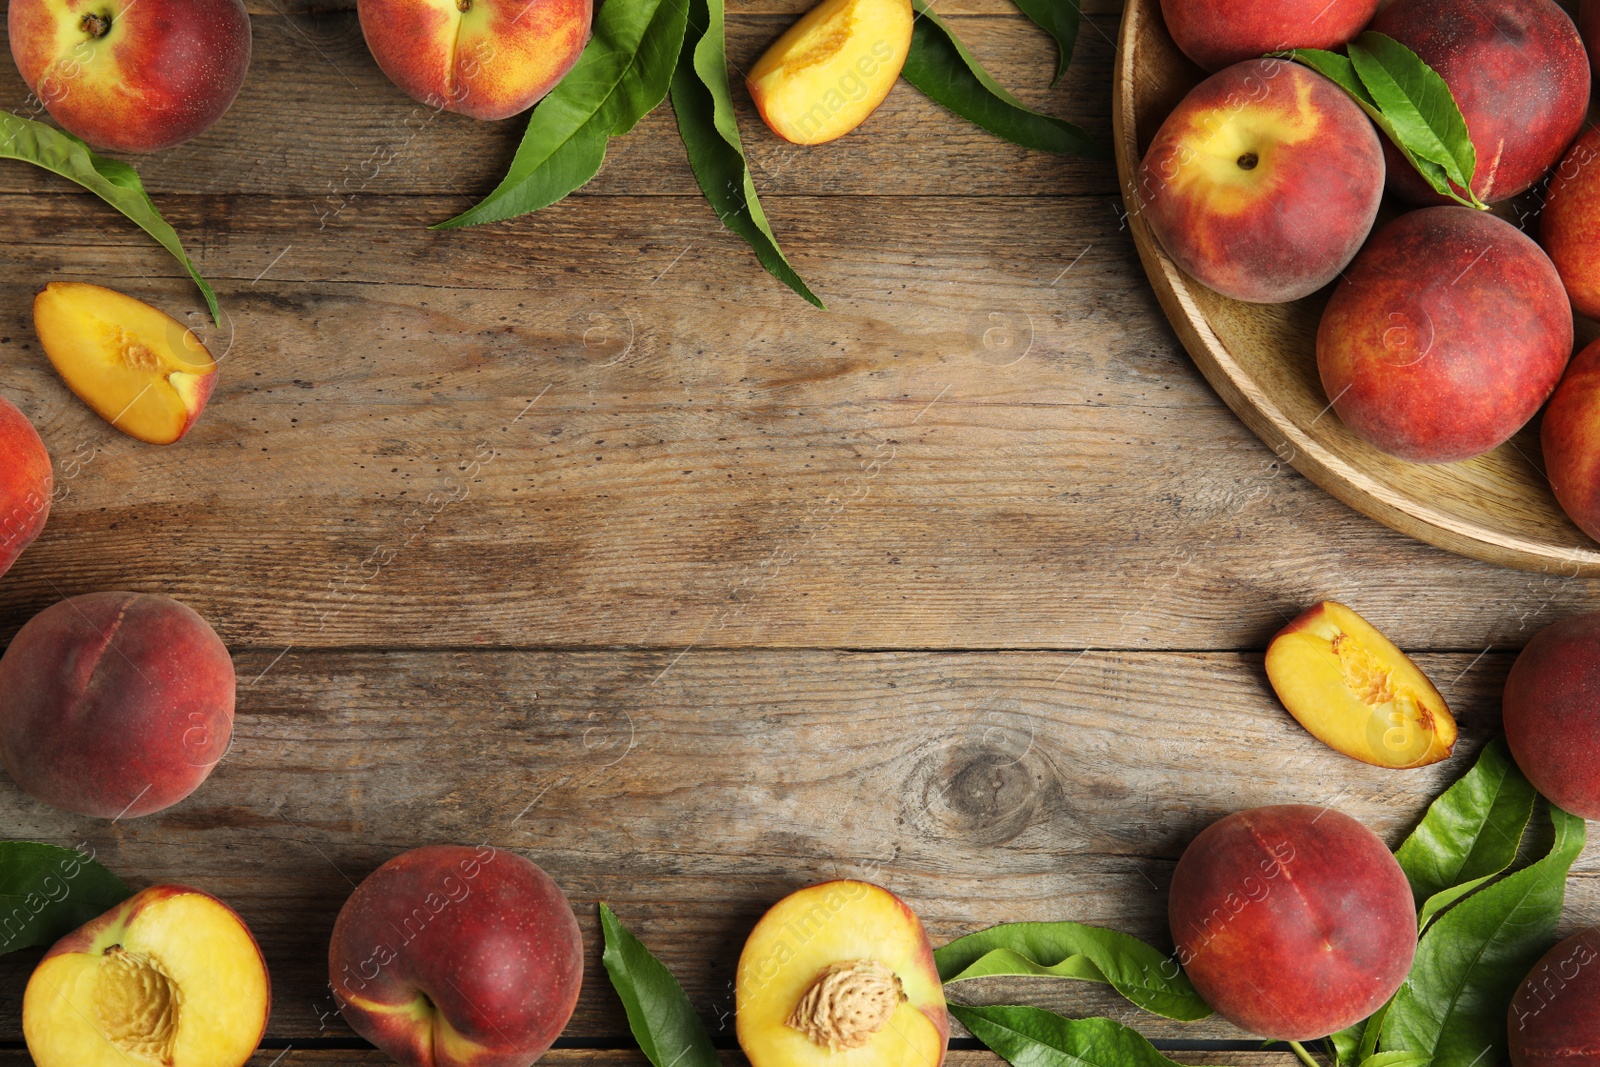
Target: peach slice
point(832, 69)
point(840, 975)
point(141, 370)
point(170, 976)
point(1356, 692)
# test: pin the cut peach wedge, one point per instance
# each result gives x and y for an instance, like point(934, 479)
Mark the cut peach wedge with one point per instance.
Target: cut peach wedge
point(840, 975)
point(141, 370)
point(1356, 692)
point(831, 69)
point(169, 977)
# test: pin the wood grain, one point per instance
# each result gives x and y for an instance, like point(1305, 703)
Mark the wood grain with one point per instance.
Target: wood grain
point(690, 793)
point(991, 440)
point(318, 119)
point(1262, 360)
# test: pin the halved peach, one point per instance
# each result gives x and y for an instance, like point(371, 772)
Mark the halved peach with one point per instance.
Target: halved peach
point(1356, 692)
point(170, 976)
point(840, 975)
point(832, 69)
point(141, 370)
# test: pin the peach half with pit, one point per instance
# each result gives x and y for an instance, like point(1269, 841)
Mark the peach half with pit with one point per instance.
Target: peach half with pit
point(139, 369)
point(1354, 691)
point(831, 69)
point(840, 974)
point(170, 977)
point(1263, 182)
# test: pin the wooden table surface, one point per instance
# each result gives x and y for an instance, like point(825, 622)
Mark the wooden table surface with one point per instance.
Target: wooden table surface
point(579, 535)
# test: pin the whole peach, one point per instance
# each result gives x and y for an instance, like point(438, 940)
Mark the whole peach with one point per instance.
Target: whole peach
point(1446, 335)
point(26, 481)
point(1555, 1015)
point(132, 75)
point(1570, 436)
point(1216, 33)
point(448, 956)
point(114, 704)
point(1299, 902)
point(1552, 719)
point(1263, 182)
point(488, 59)
point(1569, 225)
point(1518, 71)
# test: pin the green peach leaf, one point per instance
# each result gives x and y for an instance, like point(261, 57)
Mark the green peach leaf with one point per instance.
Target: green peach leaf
point(1033, 1037)
point(111, 180)
point(47, 891)
point(659, 1013)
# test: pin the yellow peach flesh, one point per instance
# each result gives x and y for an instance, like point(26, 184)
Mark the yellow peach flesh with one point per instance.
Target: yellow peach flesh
point(180, 984)
point(1356, 692)
point(138, 368)
point(831, 69)
point(880, 1012)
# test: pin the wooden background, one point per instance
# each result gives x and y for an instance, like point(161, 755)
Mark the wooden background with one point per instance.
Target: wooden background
point(579, 535)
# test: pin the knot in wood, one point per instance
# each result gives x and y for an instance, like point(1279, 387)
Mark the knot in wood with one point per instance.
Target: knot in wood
point(847, 1003)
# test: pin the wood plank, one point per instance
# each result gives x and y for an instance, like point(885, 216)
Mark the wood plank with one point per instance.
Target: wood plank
point(691, 792)
point(991, 440)
point(318, 118)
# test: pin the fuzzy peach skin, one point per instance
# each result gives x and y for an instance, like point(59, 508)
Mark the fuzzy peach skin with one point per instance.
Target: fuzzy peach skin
point(448, 956)
point(132, 75)
point(1217, 33)
point(1296, 901)
point(1555, 1014)
point(1263, 182)
point(1519, 73)
point(840, 974)
point(114, 704)
point(488, 59)
point(1552, 719)
point(1445, 336)
point(170, 976)
point(1570, 437)
point(26, 484)
point(1569, 225)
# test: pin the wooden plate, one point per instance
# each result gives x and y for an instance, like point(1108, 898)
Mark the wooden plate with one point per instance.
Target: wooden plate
point(1262, 360)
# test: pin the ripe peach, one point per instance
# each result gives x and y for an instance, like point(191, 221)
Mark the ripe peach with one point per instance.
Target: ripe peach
point(26, 484)
point(1292, 921)
point(840, 973)
point(114, 704)
point(141, 370)
point(1552, 720)
point(831, 69)
point(1356, 692)
point(1519, 73)
point(489, 59)
point(1217, 33)
point(170, 976)
point(132, 75)
point(1569, 226)
point(448, 956)
point(1555, 1015)
point(1446, 335)
point(1570, 435)
point(1263, 182)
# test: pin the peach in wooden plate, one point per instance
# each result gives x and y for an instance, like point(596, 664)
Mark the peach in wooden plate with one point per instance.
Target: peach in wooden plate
point(1354, 691)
